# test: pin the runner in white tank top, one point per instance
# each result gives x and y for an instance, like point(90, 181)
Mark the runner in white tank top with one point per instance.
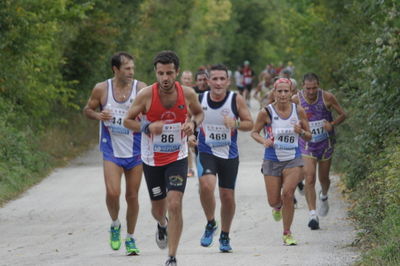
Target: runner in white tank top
point(120, 147)
point(284, 123)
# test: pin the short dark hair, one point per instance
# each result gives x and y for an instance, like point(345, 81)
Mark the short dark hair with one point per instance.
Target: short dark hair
point(200, 72)
point(116, 59)
point(219, 67)
point(310, 77)
point(166, 57)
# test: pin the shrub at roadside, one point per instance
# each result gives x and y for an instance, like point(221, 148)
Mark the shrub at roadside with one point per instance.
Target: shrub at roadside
point(377, 209)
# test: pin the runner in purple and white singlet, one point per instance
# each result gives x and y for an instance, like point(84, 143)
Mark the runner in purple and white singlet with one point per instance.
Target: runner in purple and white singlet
point(318, 151)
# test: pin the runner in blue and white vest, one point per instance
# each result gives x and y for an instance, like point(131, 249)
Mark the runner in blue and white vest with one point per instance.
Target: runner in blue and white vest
point(109, 102)
point(225, 112)
point(284, 123)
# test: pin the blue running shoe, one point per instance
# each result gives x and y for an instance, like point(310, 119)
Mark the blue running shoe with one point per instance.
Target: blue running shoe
point(208, 235)
point(224, 245)
point(115, 237)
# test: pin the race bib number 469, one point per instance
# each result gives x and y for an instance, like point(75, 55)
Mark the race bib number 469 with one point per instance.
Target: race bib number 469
point(217, 135)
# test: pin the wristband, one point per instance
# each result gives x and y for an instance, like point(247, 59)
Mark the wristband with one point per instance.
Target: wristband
point(237, 124)
point(144, 127)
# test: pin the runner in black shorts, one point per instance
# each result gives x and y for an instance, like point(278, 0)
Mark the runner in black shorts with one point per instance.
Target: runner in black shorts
point(227, 169)
point(161, 179)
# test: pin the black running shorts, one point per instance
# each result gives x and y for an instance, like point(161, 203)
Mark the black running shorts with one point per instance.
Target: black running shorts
point(161, 179)
point(227, 169)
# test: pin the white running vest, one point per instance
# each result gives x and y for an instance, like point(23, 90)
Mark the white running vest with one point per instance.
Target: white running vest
point(286, 140)
point(214, 137)
point(116, 139)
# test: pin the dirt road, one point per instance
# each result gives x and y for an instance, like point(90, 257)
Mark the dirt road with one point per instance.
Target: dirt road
point(64, 221)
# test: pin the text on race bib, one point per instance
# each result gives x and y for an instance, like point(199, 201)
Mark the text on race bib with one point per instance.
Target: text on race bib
point(285, 138)
point(115, 124)
point(169, 140)
point(318, 131)
point(217, 135)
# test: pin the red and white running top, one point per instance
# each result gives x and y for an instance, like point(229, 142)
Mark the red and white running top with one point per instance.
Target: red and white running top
point(171, 144)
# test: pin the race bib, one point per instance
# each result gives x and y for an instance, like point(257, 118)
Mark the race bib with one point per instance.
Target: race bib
point(248, 80)
point(217, 135)
point(318, 131)
point(169, 140)
point(285, 139)
point(115, 124)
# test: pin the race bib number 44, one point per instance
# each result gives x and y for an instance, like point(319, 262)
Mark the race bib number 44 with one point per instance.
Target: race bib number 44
point(115, 125)
point(318, 131)
point(217, 135)
point(169, 140)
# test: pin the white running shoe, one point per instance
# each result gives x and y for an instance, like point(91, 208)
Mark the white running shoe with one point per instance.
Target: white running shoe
point(161, 237)
point(323, 206)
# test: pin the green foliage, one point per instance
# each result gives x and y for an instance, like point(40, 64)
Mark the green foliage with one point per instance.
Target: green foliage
point(377, 208)
point(30, 56)
point(53, 52)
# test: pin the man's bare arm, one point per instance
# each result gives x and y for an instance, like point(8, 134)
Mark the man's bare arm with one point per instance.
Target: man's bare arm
point(94, 102)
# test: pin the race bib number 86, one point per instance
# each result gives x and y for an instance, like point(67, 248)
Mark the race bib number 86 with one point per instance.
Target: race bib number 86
point(169, 140)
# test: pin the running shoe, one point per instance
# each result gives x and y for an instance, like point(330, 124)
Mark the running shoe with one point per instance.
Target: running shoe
point(288, 240)
point(171, 261)
point(313, 223)
point(161, 237)
point(130, 246)
point(115, 237)
point(300, 186)
point(277, 214)
point(224, 245)
point(208, 235)
point(190, 173)
point(323, 206)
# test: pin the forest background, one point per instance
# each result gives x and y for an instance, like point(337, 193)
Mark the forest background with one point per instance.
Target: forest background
point(52, 53)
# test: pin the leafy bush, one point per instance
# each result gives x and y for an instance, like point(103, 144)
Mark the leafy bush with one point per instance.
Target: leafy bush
point(377, 208)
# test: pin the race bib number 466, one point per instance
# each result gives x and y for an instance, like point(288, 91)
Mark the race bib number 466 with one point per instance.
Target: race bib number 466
point(169, 140)
point(285, 139)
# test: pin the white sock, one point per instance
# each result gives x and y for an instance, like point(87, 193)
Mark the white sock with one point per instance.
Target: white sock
point(322, 196)
point(163, 226)
point(313, 212)
point(129, 236)
point(115, 223)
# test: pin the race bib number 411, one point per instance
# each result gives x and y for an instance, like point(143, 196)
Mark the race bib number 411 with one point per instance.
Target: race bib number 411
point(169, 140)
